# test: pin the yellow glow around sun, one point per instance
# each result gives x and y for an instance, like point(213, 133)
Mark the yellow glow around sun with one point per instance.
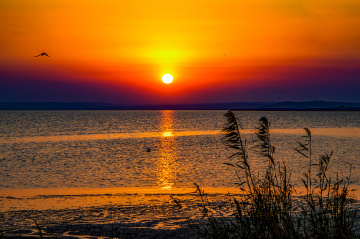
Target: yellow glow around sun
point(167, 78)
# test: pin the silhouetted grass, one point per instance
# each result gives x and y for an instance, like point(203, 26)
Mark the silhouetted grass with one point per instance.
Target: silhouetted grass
point(38, 228)
point(267, 210)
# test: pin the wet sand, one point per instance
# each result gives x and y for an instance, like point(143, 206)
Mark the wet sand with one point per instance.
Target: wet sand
point(104, 213)
point(108, 213)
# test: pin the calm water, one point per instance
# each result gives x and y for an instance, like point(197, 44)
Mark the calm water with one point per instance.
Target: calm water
point(102, 149)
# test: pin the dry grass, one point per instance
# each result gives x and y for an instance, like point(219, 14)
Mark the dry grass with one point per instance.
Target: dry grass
point(267, 210)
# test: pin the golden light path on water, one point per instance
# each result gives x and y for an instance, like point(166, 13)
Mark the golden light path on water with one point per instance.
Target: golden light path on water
point(336, 132)
point(104, 136)
point(166, 164)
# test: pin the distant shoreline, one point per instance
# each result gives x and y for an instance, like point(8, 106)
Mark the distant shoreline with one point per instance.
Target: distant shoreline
point(236, 106)
point(294, 109)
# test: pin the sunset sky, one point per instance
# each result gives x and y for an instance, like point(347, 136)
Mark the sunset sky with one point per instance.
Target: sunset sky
point(217, 51)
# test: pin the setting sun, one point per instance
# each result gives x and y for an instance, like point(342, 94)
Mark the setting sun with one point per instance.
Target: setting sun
point(167, 78)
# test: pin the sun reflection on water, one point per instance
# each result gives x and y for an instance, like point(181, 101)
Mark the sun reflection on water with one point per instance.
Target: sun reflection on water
point(167, 134)
point(166, 164)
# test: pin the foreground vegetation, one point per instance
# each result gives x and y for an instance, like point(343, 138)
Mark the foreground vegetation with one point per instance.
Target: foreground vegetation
point(267, 209)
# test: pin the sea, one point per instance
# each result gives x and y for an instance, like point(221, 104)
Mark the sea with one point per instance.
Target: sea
point(164, 150)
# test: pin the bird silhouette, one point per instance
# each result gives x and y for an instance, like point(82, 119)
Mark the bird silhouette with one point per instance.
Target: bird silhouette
point(43, 54)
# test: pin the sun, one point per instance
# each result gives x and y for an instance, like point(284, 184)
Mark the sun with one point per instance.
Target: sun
point(167, 78)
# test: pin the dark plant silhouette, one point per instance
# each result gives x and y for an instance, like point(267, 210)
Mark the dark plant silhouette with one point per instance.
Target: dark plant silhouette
point(266, 209)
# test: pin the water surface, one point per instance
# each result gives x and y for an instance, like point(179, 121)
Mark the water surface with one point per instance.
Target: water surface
point(156, 149)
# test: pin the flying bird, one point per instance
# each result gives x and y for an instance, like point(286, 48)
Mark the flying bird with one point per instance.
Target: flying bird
point(43, 54)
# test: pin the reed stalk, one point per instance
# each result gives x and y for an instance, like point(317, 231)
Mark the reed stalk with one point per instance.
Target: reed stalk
point(267, 209)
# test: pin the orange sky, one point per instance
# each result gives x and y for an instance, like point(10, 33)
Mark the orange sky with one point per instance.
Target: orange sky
point(226, 47)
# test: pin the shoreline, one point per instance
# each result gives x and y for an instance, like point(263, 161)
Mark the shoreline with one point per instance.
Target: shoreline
point(110, 212)
point(60, 198)
point(46, 199)
point(138, 214)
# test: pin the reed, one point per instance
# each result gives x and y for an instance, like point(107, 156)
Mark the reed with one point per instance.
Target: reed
point(267, 210)
point(38, 228)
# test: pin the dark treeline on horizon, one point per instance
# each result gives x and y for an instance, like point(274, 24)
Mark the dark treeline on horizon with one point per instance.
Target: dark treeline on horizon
point(261, 106)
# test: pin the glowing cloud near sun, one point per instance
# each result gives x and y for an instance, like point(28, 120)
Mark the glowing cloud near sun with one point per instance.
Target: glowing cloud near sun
point(167, 78)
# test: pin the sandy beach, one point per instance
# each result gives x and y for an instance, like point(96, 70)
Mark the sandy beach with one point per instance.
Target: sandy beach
point(104, 213)
point(109, 212)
